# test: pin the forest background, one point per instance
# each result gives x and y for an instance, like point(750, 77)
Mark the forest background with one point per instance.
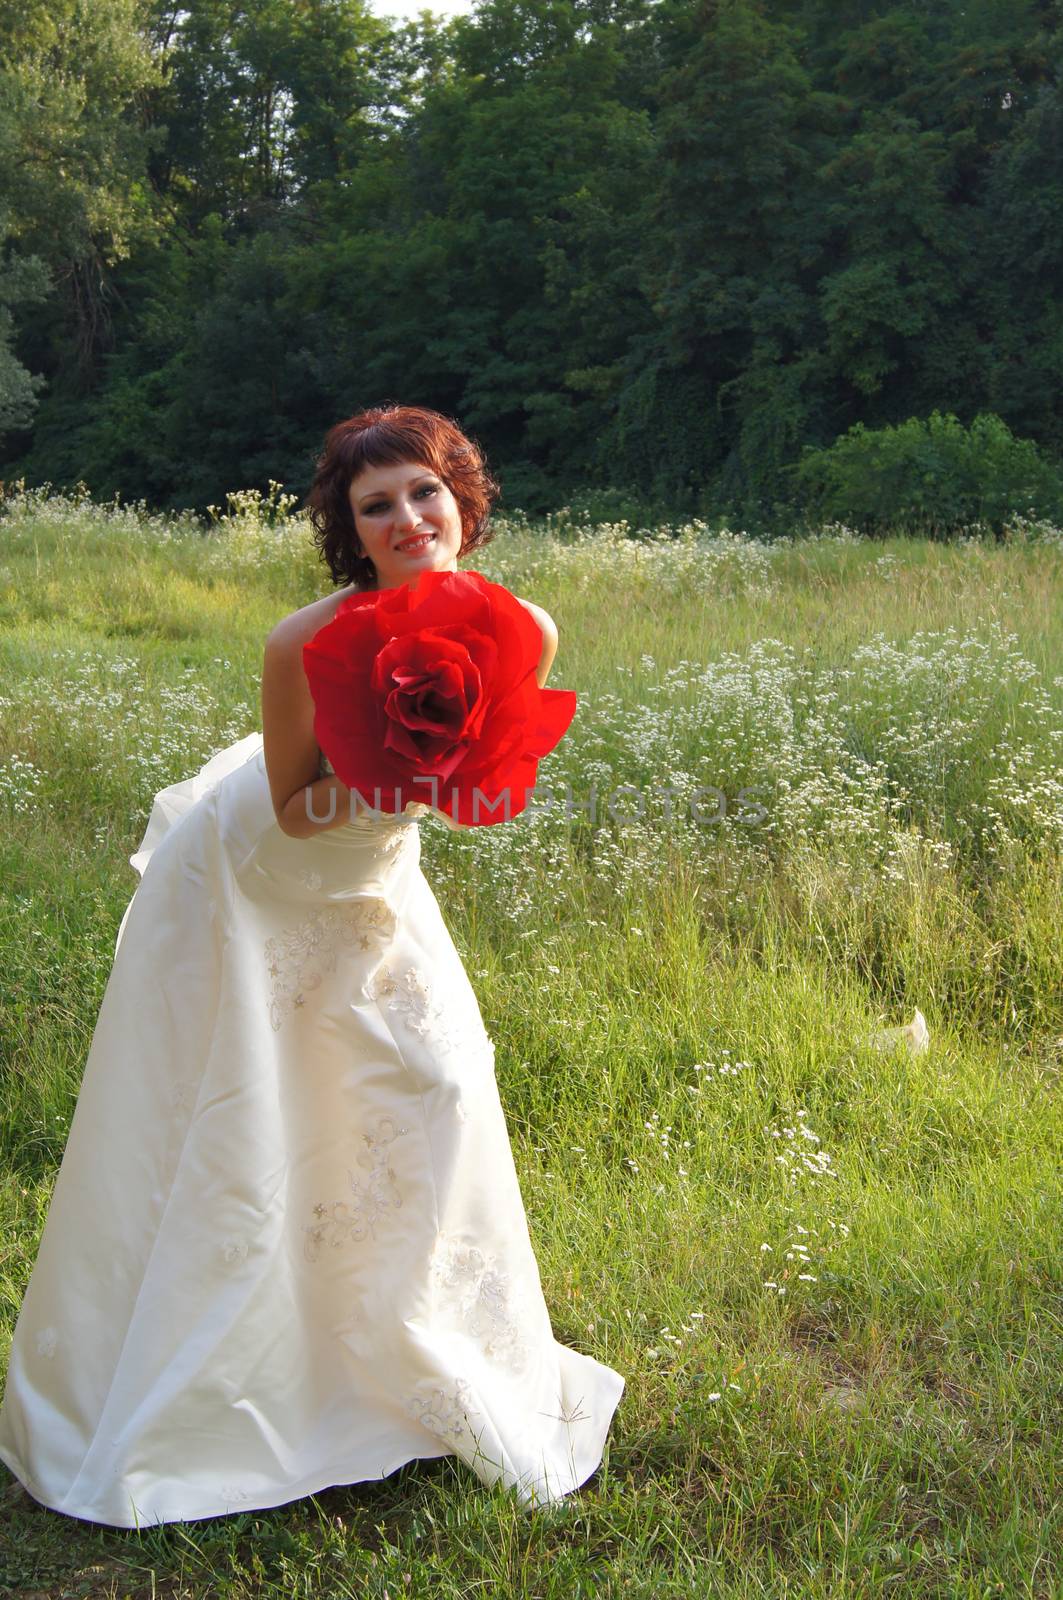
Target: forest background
point(645, 251)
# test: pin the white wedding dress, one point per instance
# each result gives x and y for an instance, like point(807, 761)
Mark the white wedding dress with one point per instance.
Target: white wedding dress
point(286, 1247)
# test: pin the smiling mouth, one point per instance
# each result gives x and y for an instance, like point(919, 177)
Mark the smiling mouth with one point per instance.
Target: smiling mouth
point(418, 542)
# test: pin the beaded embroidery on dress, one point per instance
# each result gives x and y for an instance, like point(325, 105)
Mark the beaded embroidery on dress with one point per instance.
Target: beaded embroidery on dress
point(286, 1247)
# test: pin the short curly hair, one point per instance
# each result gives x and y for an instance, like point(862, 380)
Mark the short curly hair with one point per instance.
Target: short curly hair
point(384, 435)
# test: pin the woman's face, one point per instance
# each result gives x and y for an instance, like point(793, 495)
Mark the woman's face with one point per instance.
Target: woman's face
point(407, 522)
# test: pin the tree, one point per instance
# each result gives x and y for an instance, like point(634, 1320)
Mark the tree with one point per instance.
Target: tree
point(22, 282)
point(1021, 267)
point(731, 247)
point(72, 148)
point(263, 100)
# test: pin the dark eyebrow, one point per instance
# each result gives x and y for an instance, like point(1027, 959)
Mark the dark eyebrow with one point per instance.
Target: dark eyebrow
point(414, 479)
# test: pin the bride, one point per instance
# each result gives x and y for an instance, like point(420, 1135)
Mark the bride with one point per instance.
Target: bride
point(286, 1246)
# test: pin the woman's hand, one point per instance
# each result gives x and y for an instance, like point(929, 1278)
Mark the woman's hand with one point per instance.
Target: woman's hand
point(316, 807)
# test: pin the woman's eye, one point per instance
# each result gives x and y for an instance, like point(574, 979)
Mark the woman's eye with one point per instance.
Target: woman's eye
point(429, 488)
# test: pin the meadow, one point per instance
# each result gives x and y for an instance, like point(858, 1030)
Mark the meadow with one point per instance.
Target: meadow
point(827, 1264)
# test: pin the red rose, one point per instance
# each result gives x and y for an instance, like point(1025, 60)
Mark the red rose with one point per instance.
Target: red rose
point(435, 681)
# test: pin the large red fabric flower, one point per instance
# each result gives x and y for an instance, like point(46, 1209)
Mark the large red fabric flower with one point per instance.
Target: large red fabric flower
point(428, 692)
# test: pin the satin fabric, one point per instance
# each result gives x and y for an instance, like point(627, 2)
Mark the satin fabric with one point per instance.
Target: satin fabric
point(286, 1247)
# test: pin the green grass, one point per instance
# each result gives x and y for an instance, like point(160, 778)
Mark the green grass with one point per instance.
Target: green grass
point(830, 1274)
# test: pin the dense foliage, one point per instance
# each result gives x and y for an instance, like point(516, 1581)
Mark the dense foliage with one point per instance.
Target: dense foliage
point(934, 477)
point(652, 247)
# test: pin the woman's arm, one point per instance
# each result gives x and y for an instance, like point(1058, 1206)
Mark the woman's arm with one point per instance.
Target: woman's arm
point(291, 751)
point(549, 632)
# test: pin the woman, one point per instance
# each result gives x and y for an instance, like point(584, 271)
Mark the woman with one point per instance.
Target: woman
point(286, 1247)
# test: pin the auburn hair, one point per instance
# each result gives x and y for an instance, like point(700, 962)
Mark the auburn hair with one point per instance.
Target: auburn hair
point(381, 436)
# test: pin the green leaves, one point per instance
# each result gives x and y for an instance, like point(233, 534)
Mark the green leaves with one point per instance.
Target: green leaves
point(930, 476)
point(71, 146)
point(650, 247)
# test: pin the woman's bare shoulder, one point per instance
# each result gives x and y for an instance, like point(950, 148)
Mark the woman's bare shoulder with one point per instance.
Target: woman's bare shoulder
point(299, 626)
point(541, 615)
